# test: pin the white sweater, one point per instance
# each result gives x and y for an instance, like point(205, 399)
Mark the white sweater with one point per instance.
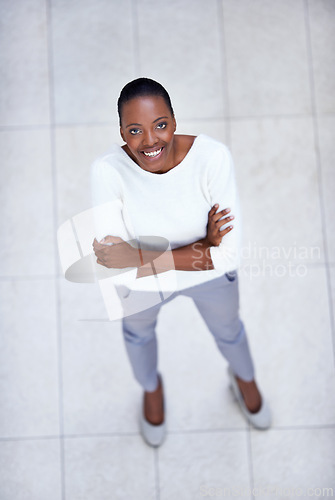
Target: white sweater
point(173, 205)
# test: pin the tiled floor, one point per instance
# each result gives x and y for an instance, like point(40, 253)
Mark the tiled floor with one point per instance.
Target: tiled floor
point(258, 75)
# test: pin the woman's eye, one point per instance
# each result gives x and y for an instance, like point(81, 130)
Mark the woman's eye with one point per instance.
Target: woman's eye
point(134, 131)
point(161, 125)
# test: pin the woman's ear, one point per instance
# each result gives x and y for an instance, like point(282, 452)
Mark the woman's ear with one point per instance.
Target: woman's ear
point(121, 133)
point(174, 123)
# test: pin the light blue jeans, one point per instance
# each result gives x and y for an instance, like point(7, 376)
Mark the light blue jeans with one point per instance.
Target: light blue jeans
point(218, 303)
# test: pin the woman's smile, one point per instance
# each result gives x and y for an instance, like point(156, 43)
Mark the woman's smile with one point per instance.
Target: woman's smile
point(154, 153)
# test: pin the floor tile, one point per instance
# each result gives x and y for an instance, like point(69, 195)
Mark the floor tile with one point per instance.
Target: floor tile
point(30, 470)
point(214, 128)
point(182, 50)
point(284, 465)
point(278, 183)
point(288, 323)
point(93, 58)
point(321, 21)
point(197, 465)
point(26, 229)
point(76, 149)
point(29, 370)
point(266, 54)
point(109, 467)
point(100, 392)
point(24, 95)
point(326, 126)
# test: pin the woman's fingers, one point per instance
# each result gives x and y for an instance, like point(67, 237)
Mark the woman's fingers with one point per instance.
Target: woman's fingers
point(224, 221)
point(216, 216)
point(96, 245)
point(220, 214)
point(111, 239)
point(213, 210)
point(221, 234)
point(215, 222)
point(106, 241)
point(226, 230)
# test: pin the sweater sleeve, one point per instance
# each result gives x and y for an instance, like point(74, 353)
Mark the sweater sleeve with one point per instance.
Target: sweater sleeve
point(222, 189)
point(107, 204)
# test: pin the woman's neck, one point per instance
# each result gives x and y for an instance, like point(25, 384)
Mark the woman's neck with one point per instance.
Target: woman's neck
point(182, 145)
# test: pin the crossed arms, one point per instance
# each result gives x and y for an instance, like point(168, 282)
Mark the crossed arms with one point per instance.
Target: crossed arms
point(192, 257)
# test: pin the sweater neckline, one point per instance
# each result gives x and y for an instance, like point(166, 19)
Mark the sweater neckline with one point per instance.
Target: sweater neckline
point(184, 161)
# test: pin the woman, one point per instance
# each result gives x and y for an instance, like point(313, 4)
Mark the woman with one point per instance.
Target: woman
point(179, 188)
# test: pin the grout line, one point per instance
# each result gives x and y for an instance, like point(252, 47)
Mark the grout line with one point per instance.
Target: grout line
point(34, 277)
point(15, 128)
point(55, 222)
point(250, 461)
point(136, 39)
point(98, 435)
point(156, 472)
point(171, 432)
point(319, 169)
point(307, 427)
point(224, 70)
point(29, 438)
point(293, 116)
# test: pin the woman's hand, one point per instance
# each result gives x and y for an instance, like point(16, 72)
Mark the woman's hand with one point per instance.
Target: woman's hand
point(119, 255)
point(214, 235)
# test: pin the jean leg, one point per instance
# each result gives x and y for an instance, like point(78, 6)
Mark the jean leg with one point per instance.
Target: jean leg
point(139, 333)
point(219, 307)
point(141, 345)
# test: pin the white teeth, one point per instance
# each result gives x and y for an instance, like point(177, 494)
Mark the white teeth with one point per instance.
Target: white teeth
point(153, 153)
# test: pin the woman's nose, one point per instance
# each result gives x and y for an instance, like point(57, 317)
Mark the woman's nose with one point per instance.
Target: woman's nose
point(149, 138)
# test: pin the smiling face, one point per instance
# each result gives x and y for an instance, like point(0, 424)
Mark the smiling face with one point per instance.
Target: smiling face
point(147, 127)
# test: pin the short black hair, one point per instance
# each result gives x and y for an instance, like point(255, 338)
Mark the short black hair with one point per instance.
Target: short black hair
point(142, 87)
